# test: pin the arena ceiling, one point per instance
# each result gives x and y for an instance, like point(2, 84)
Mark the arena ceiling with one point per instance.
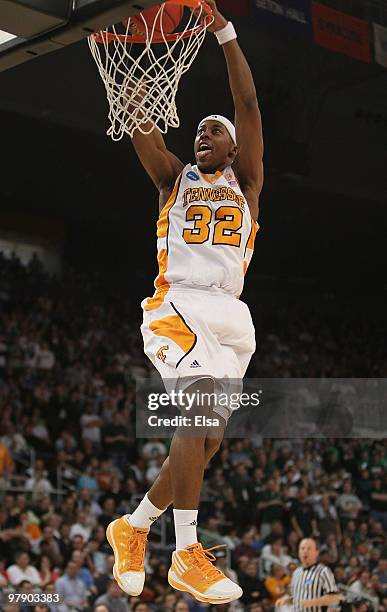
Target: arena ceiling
point(324, 114)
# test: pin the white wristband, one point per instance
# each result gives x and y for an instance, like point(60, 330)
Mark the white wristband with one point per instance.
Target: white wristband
point(226, 34)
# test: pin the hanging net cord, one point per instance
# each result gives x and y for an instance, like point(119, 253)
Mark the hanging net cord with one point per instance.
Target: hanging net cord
point(142, 80)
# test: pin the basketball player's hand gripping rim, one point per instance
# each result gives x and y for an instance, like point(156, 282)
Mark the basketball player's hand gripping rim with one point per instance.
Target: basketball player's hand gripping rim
point(219, 21)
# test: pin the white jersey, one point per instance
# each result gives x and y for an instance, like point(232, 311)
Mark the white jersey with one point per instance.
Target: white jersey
point(205, 233)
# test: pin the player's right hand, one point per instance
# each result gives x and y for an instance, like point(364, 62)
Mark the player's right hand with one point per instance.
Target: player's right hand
point(219, 21)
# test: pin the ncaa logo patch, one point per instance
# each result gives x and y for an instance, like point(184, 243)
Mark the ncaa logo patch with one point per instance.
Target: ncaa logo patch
point(193, 176)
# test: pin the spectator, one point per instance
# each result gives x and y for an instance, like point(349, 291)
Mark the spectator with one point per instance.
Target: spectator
point(50, 589)
point(77, 542)
point(348, 503)
point(141, 606)
point(65, 543)
point(116, 440)
point(270, 506)
point(253, 589)
point(23, 570)
point(381, 571)
point(6, 463)
point(222, 564)
point(25, 588)
point(115, 599)
point(327, 519)
point(30, 528)
point(274, 553)
point(84, 572)
point(364, 486)
point(276, 583)
point(45, 359)
point(81, 527)
point(108, 512)
point(363, 588)
point(378, 501)
point(88, 481)
point(71, 588)
point(47, 574)
point(91, 425)
point(38, 484)
point(302, 517)
point(48, 545)
point(181, 606)
point(246, 547)
point(102, 580)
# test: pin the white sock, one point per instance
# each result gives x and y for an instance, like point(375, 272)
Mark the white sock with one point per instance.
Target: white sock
point(185, 527)
point(145, 514)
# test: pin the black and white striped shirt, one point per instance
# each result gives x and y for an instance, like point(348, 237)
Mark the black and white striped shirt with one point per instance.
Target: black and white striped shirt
point(311, 583)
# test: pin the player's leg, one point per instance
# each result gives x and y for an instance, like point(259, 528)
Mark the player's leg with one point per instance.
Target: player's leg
point(128, 535)
point(192, 570)
point(160, 494)
point(180, 478)
point(183, 483)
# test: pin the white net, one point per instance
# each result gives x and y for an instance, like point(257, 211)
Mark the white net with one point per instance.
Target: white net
point(142, 79)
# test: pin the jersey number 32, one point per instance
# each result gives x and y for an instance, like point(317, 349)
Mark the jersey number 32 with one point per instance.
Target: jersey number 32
point(228, 220)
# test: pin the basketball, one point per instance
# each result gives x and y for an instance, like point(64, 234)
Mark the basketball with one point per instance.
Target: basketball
point(165, 22)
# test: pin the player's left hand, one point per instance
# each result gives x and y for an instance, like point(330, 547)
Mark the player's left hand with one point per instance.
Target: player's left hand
point(219, 21)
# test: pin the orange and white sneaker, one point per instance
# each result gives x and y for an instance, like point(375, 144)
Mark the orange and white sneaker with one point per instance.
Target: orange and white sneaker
point(128, 544)
point(192, 571)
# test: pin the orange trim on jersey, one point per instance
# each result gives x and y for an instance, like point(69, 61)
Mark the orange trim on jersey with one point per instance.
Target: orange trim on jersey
point(253, 233)
point(160, 283)
point(163, 222)
point(174, 328)
point(212, 178)
point(250, 243)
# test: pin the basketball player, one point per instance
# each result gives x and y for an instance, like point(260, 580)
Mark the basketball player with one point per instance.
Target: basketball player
point(196, 331)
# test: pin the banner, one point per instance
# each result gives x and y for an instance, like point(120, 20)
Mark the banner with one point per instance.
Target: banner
point(341, 32)
point(290, 15)
point(380, 38)
point(234, 7)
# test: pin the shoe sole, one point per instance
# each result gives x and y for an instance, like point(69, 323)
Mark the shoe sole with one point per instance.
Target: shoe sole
point(179, 585)
point(110, 539)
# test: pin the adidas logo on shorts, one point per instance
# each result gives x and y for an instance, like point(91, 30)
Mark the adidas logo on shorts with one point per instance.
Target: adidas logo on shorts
point(193, 523)
point(195, 364)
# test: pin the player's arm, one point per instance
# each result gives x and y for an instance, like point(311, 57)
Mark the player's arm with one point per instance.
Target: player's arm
point(162, 166)
point(248, 165)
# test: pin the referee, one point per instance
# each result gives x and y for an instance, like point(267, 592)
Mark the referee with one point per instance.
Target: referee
point(313, 585)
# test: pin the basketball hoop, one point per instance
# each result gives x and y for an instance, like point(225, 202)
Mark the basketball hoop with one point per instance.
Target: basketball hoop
point(142, 81)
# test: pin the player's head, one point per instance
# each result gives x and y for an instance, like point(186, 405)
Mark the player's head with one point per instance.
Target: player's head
point(308, 551)
point(215, 144)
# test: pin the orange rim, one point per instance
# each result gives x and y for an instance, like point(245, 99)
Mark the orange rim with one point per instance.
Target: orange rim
point(104, 36)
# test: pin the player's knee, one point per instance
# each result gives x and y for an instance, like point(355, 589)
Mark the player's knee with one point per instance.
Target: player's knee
point(212, 446)
point(200, 397)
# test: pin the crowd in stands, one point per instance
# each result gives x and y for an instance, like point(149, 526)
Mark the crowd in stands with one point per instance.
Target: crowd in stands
point(70, 462)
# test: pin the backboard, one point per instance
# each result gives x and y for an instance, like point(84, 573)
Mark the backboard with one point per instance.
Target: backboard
point(30, 28)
